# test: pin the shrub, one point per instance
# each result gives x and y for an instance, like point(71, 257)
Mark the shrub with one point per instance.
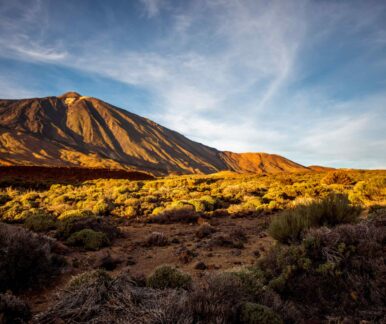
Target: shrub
point(205, 230)
point(156, 239)
point(217, 300)
point(346, 262)
point(89, 239)
point(87, 278)
point(103, 207)
point(95, 297)
point(226, 240)
point(130, 211)
point(71, 225)
point(40, 222)
point(369, 191)
point(335, 209)
point(168, 277)
point(75, 214)
point(185, 214)
point(4, 198)
point(13, 310)
point(12, 211)
point(252, 313)
point(337, 177)
point(199, 206)
point(26, 259)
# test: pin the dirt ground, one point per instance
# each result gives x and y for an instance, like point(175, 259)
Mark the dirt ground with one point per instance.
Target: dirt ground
point(235, 242)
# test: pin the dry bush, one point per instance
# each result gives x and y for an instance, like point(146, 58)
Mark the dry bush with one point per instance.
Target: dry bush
point(156, 239)
point(337, 177)
point(205, 230)
point(13, 310)
point(238, 234)
point(95, 297)
point(235, 239)
point(217, 300)
point(26, 259)
point(185, 214)
point(338, 271)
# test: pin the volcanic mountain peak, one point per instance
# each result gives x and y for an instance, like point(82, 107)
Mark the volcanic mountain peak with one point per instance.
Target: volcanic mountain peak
point(70, 97)
point(74, 130)
point(70, 94)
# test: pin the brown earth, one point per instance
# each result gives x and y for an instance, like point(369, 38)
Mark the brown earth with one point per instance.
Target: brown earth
point(14, 175)
point(74, 130)
point(185, 250)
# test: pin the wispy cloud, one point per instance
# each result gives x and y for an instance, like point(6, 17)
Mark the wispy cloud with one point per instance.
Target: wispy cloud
point(27, 39)
point(152, 7)
point(240, 75)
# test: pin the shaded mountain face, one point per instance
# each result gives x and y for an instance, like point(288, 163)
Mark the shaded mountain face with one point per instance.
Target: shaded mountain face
point(74, 130)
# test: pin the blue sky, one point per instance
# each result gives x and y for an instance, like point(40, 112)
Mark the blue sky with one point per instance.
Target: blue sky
point(304, 79)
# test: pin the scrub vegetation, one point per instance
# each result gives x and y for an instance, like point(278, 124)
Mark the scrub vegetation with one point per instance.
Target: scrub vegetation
point(304, 246)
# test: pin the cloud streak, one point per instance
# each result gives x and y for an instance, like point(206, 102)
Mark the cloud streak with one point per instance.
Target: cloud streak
point(241, 75)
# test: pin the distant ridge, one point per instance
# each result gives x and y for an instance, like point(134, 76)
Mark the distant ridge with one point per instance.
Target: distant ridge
point(319, 168)
point(80, 131)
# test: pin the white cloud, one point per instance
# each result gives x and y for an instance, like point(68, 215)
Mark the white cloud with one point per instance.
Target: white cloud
point(152, 7)
point(224, 74)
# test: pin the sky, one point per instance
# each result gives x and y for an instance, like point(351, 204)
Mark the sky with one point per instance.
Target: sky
point(303, 79)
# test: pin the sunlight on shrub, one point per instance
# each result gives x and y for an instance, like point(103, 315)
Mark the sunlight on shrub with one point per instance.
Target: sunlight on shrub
point(337, 177)
point(75, 214)
point(290, 225)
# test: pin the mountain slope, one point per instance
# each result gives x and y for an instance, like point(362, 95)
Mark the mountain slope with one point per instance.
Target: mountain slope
point(74, 130)
point(260, 162)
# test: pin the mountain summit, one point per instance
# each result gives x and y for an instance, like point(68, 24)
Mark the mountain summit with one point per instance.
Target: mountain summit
point(75, 130)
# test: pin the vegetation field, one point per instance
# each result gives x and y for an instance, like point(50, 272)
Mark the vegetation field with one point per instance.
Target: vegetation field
point(220, 248)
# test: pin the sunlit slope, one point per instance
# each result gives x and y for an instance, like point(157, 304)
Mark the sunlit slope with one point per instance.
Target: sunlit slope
point(73, 130)
point(260, 163)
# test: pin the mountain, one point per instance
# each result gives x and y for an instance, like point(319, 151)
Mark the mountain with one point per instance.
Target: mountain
point(75, 130)
point(319, 168)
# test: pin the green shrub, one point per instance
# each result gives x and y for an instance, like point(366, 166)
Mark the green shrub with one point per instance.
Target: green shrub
point(89, 239)
point(87, 278)
point(168, 277)
point(335, 209)
point(40, 222)
point(69, 226)
point(75, 214)
point(346, 262)
point(252, 313)
point(13, 310)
